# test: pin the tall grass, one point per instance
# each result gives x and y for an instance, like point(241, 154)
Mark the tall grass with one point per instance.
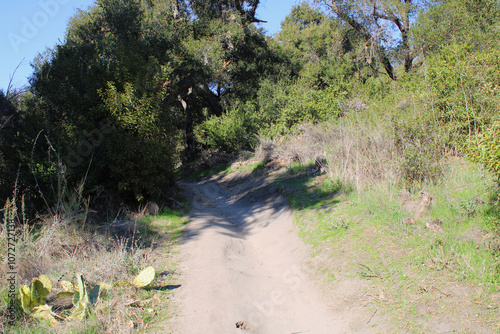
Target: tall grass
point(353, 151)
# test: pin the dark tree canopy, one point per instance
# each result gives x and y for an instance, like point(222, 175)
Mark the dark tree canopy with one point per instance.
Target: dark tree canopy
point(246, 9)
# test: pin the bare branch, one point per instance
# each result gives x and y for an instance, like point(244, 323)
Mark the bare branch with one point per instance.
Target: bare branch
point(9, 86)
point(385, 15)
point(365, 34)
point(5, 122)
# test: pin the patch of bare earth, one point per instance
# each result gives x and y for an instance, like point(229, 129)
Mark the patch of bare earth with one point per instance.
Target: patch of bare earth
point(244, 269)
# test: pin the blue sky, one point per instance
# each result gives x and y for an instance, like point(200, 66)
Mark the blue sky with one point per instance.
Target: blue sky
point(31, 26)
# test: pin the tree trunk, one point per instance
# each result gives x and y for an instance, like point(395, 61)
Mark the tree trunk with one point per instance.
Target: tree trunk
point(407, 51)
point(189, 139)
point(188, 90)
point(384, 59)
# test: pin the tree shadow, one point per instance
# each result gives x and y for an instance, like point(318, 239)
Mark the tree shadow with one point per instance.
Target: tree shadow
point(234, 204)
point(305, 188)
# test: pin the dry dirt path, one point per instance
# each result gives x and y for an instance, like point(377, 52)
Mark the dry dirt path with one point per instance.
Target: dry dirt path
point(242, 266)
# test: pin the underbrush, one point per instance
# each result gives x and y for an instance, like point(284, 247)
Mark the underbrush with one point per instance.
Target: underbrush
point(104, 255)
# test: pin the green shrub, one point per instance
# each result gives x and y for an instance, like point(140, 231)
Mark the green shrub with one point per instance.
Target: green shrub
point(284, 105)
point(464, 85)
point(231, 132)
point(140, 153)
point(485, 149)
point(419, 150)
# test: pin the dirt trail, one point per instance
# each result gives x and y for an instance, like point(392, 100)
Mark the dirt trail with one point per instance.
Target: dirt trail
point(243, 266)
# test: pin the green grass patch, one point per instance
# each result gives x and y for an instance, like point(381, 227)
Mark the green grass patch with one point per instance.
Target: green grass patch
point(252, 167)
point(412, 268)
point(306, 191)
point(168, 222)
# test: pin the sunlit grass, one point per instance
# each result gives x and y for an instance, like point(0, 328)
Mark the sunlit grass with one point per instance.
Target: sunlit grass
point(406, 261)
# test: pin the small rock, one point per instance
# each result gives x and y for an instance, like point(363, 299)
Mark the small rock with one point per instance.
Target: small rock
point(243, 325)
point(152, 208)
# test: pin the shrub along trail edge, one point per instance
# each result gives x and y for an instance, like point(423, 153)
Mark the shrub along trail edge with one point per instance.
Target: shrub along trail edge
point(243, 266)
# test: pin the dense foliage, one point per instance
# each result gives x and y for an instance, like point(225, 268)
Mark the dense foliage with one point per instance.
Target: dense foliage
point(138, 86)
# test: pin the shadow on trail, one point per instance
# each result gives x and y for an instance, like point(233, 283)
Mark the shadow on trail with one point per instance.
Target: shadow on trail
point(238, 203)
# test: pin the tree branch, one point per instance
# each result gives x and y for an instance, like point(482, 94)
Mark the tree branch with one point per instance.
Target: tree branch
point(248, 16)
point(11, 79)
point(365, 34)
point(254, 8)
point(211, 99)
point(403, 27)
point(388, 16)
point(349, 20)
point(239, 8)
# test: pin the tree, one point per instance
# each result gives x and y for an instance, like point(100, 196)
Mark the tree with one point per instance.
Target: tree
point(365, 16)
point(144, 71)
point(107, 90)
point(474, 22)
point(318, 46)
point(228, 55)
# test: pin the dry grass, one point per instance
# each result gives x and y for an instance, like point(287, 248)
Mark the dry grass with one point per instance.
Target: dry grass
point(59, 248)
point(351, 150)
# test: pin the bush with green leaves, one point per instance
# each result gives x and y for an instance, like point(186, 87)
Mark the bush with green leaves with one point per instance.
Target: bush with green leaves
point(485, 149)
point(231, 132)
point(464, 84)
point(419, 145)
point(143, 149)
point(284, 105)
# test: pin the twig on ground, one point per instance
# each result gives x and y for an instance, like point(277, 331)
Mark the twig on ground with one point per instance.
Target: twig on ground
point(444, 293)
point(364, 274)
point(372, 316)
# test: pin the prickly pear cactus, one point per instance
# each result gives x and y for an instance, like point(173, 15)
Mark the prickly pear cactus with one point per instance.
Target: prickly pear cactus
point(33, 298)
point(34, 295)
point(144, 278)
